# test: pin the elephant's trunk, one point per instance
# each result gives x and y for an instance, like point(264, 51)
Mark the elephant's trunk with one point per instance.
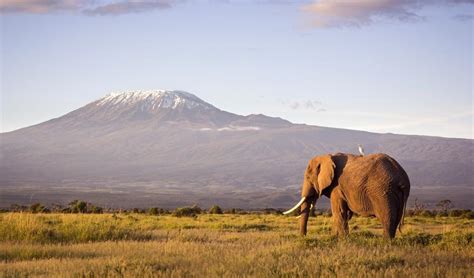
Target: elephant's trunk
point(305, 209)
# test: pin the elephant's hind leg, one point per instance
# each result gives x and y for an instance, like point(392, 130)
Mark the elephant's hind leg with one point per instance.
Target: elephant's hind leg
point(340, 213)
point(388, 214)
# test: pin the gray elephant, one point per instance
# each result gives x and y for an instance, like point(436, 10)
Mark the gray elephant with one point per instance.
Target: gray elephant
point(372, 185)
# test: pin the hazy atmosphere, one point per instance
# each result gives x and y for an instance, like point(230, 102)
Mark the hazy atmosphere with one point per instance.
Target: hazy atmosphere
point(382, 66)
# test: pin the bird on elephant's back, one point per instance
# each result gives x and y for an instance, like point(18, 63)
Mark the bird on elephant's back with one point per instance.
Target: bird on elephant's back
point(371, 185)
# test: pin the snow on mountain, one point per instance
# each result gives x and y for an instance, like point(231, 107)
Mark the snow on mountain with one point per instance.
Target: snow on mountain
point(147, 107)
point(155, 107)
point(154, 99)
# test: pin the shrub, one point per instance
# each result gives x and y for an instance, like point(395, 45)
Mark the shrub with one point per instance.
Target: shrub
point(455, 213)
point(187, 211)
point(95, 209)
point(18, 208)
point(38, 208)
point(426, 213)
point(468, 214)
point(215, 210)
point(327, 213)
point(138, 210)
point(318, 212)
point(272, 211)
point(157, 211)
point(234, 211)
point(78, 206)
point(444, 205)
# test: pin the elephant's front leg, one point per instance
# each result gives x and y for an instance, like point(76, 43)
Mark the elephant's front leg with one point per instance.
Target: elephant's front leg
point(340, 213)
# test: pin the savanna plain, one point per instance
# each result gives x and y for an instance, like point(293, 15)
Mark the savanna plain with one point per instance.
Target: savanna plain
point(228, 245)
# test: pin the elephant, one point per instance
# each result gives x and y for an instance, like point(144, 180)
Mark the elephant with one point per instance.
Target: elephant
point(371, 185)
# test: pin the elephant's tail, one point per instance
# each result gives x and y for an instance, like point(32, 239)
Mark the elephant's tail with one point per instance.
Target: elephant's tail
point(402, 220)
point(406, 192)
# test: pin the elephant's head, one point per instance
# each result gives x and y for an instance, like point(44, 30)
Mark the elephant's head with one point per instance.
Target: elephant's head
point(317, 177)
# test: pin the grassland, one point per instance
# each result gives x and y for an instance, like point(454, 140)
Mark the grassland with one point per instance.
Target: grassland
point(130, 245)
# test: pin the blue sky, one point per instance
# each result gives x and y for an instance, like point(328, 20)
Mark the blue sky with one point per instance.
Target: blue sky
point(382, 66)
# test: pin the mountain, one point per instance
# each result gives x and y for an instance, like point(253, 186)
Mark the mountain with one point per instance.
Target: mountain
point(171, 148)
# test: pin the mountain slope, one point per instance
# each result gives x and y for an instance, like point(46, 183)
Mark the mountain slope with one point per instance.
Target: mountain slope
point(169, 148)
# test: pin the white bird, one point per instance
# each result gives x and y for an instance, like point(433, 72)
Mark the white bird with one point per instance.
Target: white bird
point(361, 150)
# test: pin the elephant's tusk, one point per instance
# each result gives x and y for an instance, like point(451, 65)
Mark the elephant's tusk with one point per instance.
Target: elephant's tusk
point(296, 206)
point(310, 208)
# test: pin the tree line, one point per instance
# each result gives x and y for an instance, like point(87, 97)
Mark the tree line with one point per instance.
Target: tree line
point(443, 208)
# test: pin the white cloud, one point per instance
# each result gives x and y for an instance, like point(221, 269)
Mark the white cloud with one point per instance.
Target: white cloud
point(89, 7)
point(342, 13)
point(302, 104)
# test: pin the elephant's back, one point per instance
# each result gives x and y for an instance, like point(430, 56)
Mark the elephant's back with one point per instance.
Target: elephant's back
point(371, 180)
point(376, 170)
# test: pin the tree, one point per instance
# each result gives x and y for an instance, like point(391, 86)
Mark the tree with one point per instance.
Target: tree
point(215, 210)
point(187, 211)
point(444, 205)
point(418, 207)
point(37, 208)
point(153, 211)
point(95, 209)
point(78, 206)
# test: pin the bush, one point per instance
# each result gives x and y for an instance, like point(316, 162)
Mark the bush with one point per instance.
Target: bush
point(78, 206)
point(95, 209)
point(455, 213)
point(318, 212)
point(234, 211)
point(187, 211)
point(18, 208)
point(38, 208)
point(426, 213)
point(468, 214)
point(215, 210)
point(138, 210)
point(327, 213)
point(157, 211)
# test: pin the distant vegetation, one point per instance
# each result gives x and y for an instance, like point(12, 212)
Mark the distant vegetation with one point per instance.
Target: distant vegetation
point(443, 208)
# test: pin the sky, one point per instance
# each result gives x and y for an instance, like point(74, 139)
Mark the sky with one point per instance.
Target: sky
point(395, 66)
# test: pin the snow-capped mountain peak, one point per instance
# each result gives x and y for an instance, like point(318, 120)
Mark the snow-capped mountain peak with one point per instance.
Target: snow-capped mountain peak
point(154, 99)
point(164, 106)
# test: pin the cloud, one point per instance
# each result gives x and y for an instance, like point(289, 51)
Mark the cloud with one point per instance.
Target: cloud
point(88, 7)
point(356, 13)
point(314, 105)
point(39, 6)
point(125, 7)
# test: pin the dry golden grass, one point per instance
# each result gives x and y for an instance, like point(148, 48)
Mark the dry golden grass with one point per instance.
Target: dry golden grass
point(228, 245)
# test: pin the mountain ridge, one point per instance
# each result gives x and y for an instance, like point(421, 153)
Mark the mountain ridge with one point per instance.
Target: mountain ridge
point(152, 155)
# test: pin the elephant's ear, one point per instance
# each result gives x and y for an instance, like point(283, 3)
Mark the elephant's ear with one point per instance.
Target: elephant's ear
point(326, 172)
